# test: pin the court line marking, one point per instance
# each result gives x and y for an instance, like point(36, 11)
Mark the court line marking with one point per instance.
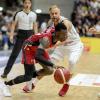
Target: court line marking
point(90, 80)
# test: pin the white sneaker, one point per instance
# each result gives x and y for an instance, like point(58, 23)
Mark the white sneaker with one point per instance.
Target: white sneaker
point(5, 90)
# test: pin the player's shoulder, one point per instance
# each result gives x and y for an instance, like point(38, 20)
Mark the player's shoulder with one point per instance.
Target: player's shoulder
point(32, 12)
point(65, 19)
point(17, 13)
point(67, 23)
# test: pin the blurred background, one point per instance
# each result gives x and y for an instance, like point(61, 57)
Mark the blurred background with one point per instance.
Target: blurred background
point(83, 14)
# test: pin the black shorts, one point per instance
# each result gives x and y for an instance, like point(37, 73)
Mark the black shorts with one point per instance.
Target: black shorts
point(24, 34)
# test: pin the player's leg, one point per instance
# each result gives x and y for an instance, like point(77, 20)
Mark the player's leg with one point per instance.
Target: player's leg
point(73, 56)
point(29, 73)
point(43, 58)
point(30, 85)
point(13, 56)
point(27, 57)
point(47, 70)
point(58, 55)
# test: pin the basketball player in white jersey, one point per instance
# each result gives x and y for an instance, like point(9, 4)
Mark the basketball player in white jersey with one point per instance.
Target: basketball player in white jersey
point(72, 47)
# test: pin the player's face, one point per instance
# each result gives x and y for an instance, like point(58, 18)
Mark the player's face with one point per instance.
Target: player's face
point(61, 36)
point(27, 4)
point(55, 14)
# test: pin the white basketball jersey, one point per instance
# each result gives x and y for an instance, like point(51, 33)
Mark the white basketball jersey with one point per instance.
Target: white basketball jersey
point(73, 36)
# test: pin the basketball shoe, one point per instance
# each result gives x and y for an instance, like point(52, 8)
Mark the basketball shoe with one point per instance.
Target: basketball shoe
point(30, 85)
point(27, 88)
point(64, 90)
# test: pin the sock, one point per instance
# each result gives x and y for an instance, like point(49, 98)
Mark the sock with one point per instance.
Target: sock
point(34, 81)
point(29, 84)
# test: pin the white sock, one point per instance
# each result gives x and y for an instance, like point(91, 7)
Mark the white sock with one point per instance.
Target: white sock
point(34, 81)
point(29, 84)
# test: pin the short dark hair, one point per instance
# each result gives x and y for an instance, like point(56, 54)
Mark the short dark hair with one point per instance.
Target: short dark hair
point(24, 1)
point(60, 26)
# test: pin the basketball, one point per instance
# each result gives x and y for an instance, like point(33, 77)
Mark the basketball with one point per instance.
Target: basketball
point(62, 75)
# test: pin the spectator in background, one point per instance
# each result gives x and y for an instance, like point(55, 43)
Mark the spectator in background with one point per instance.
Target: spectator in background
point(97, 26)
point(4, 31)
point(88, 13)
point(95, 30)
point(5, 23)
point(0, 40)
point(44, 25)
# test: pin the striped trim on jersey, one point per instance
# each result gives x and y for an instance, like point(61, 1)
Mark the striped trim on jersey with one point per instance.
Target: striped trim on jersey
point(16, 14)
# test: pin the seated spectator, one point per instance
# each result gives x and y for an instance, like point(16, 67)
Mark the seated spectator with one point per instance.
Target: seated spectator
point(86, 12)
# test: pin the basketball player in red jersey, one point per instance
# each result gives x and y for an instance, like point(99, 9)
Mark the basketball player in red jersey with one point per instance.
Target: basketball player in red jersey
point(33, 50)
point(72, 47)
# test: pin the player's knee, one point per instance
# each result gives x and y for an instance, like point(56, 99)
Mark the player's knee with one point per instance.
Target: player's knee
point(50, 71)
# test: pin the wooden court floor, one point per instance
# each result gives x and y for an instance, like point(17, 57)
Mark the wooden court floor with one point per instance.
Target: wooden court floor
point(47, 88)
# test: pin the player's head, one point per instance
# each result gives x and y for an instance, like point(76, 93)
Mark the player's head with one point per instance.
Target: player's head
point(61, 31)
point(27, 4)
point(45, 42)
point(54, 13)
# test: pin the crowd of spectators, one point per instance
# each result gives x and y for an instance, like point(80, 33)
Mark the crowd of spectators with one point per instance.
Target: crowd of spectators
point(6, 18)
point(86, 14)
